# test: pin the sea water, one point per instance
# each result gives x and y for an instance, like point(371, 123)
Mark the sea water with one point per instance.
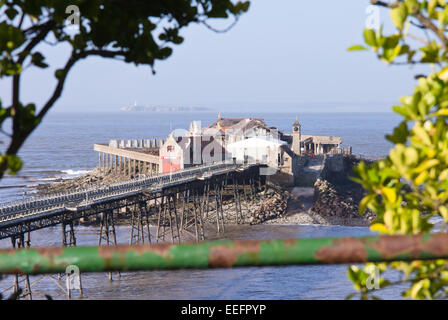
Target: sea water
point(62, 147)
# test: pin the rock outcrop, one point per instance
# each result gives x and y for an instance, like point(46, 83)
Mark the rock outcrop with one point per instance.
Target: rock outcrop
point(95, 177)
point(274, 206)
point(335, 194)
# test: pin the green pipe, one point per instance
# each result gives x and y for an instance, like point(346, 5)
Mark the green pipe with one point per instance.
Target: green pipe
point(226, 254)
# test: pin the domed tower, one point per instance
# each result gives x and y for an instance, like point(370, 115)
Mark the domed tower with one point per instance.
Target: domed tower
point(296, 137)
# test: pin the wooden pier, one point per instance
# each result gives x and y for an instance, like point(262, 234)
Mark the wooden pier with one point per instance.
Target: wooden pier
point(176, 204)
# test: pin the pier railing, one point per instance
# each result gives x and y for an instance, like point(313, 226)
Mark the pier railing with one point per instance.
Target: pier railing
point(94, 194)
point(225, 254)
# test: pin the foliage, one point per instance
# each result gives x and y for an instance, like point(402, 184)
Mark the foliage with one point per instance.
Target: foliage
point(134, 31)
point(410, 186)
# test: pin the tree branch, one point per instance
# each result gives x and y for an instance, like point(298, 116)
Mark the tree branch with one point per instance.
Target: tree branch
point(20, 134)
point(45, 29)
point(385, 4)
point(426, 22)
point(73, 59)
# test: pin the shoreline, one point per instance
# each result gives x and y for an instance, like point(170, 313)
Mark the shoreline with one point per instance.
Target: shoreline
point(312, 219)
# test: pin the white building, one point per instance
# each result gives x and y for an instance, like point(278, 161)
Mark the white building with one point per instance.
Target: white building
point(259, 149)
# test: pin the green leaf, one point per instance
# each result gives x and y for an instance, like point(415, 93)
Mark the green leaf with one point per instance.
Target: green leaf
point(379, 227)
point(356, 48)
point(400, 110)
point(399, 15)
point(431, 6)
point(370, 37)
point(14, 164)
point(444, 213)
point(401, 132)
point(37, 59)
point(364, 202)
point(421, 178)
point(351, 295)
point(443, 74)
point(11, 13)
point(391, 42)
point(390, 194)
point(412, 5)
point(59, 74)
point(353, 273)
point(427, 164)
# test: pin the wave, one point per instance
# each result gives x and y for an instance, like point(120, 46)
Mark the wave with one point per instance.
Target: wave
point(55, 176)
point(14, 186)
point(47, 179)
point(71, 172)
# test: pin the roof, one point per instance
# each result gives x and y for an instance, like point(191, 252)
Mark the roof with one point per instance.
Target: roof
point(323, 139)
point(256, 141)
point(238, 123)
point(185, 142)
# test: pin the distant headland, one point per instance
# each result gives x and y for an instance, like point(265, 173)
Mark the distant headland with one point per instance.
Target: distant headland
point(136, 108)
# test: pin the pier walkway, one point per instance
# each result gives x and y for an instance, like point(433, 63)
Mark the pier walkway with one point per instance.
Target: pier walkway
point(15, 217)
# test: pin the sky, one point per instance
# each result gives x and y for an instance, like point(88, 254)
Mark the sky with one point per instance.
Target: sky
point(283, 55)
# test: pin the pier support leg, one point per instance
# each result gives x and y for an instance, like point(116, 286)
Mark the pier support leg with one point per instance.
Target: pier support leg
point(218, 204)
point(107, 232)
point(176, 216)
point(237, 202)
point(200, 214)
point(198, 223)
point(139, 224)
point(20, 242)
point(205, 199)
point(160, 220)
point(246, 197)
point(184, 209)
point(221, 209)
point(69, 240)
point(172, 216)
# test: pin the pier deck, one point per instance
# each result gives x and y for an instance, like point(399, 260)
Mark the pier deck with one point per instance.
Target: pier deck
point(23, 216)
point(127, 159)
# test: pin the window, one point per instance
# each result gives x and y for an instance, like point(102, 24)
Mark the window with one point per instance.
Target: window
point(170, 148)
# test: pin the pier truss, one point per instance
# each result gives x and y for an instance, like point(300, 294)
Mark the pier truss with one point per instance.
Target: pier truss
point(176, 205)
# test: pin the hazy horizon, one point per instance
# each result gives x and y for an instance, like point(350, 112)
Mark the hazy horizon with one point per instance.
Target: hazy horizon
point(284, 57)
point(56, 111)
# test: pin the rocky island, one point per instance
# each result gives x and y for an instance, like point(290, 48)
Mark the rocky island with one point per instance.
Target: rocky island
point(136, 108)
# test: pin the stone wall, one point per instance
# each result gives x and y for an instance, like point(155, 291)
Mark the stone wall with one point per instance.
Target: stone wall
point(305, 177)
point(338, 169)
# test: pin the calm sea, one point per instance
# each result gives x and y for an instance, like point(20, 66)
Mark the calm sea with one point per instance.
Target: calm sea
point(62, 147)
